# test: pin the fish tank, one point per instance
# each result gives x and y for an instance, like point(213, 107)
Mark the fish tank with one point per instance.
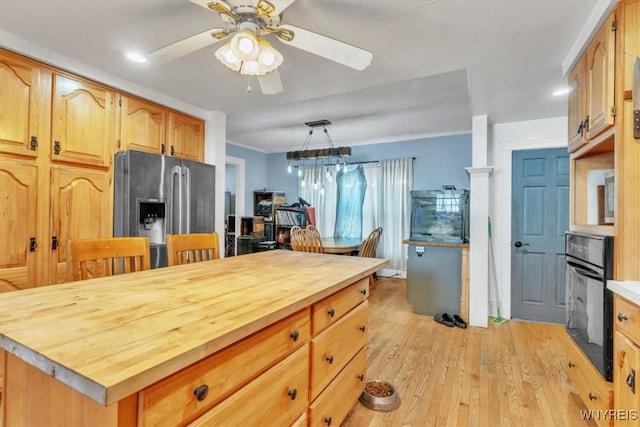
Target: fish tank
point(440, 216)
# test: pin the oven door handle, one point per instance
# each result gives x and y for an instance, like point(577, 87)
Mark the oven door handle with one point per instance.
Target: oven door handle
point(585, 271)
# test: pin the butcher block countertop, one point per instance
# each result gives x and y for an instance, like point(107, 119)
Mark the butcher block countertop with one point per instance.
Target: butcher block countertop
point(110, 337)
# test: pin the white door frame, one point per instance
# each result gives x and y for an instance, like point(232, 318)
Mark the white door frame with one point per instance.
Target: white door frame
point(504, 244)
point(239, 164)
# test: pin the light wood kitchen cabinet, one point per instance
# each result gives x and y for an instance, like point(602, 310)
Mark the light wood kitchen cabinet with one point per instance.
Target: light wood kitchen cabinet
point(626, 363)
point(81, 208)
point(185, 137)
point(19, 231)
point(83, 122)
point(22, 105)
point(577, 105)
point(600, 59)
point(592, 82)
point(143, 125)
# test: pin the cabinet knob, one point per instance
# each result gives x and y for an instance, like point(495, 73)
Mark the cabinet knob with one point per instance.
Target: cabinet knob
point(294, 335)
point(331, 312)
point(330, 359)
point(327, 421)
point(571, 365)
point(201, 392)
point(592, 396)
point(361, 377)
point(363, 292)
point(293, 393)
point(622, 317)
point(362, 328)
point(631, 381)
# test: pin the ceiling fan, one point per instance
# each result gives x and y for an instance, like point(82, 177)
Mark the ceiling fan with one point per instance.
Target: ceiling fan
point(248, 52)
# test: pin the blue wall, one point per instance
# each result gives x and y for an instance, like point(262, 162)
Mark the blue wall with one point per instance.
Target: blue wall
point(438, 161)
point(256, 173)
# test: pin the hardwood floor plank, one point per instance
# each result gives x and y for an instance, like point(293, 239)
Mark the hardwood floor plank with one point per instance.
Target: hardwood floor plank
point(505, 375)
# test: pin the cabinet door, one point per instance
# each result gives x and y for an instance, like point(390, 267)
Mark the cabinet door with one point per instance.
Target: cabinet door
point(21, 105)
point(143, 125)
point(81, 208)
point(600, 76)
point(625, 379)
point(83, 122)
point(186, 137)
point(18, 199)
point(577, 105)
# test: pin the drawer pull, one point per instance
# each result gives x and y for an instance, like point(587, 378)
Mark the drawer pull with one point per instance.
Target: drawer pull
point(593, 396)
point(327, 421)
point(330, 359)
point(621, 317)
point(363, 292)
point(293, 393)
point(331, 312)
point(572, 365)
point(361, 377)
point(294, 335)
point(201, 392)
point(362, 328)
point(631, 381)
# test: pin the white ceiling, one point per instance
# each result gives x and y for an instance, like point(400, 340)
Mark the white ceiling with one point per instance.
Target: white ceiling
point(436, 63)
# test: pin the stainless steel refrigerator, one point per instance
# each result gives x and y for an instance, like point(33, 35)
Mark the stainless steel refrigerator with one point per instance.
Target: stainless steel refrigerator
point(156, 195)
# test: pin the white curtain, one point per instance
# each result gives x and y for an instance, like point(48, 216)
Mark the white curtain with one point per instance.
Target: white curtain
point(387, 203)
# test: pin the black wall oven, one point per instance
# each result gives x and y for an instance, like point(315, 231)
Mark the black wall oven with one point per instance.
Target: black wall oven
point(589, 303)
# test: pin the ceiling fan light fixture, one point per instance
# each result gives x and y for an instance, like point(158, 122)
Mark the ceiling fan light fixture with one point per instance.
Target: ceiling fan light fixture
point(244, 45)
point(225, 55)
point(267, 59)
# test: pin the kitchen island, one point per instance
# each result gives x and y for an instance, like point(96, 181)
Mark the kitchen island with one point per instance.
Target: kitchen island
point(280, 335)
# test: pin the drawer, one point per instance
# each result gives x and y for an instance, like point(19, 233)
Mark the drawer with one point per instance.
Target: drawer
point(332, 308)
point(335, 402)
point(596, 393)
point(627, 318)
point(172, 400)
point(336, 346)
point(276, 398)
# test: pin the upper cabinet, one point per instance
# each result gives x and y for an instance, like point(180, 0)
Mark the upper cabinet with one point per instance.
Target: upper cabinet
point(577, 105)
point(185, 137)
point(142, 125)
point(22, 105)
point(600, 58)
point(591, 100)
point(83, 122)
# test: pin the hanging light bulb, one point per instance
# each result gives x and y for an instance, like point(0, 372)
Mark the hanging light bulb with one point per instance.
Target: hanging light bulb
point(299, 171)
point(328, 175)
point(289, 168)
point(322, 190)
point(315, 185)
point(303, 183)
point(337, 165)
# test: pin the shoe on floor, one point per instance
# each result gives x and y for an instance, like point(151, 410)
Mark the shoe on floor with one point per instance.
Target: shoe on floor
point(444, 318)
point(459, 322)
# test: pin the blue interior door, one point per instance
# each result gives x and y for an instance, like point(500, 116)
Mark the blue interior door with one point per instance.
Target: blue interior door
point(540, 217)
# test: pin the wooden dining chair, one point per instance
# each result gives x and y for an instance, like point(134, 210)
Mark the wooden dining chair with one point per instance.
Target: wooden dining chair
point(305, 240)
point(188, 248)
point(91, 258)
point(312, 228)
point(368, 250)
point(296, 238)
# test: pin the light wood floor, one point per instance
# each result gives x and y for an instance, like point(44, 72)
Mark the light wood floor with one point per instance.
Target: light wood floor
point(506, 375)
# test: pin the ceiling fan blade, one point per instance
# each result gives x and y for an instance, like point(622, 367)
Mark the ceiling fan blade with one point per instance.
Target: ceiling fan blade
point(281, 5)
point(271, 83)
point(329, 48)
point(186, 46)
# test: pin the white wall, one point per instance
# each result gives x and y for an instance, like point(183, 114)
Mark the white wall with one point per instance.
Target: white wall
point(505, 138)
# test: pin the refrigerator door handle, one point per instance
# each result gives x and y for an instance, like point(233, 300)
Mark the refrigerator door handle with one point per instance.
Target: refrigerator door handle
point(186, 173)
point(176, 200)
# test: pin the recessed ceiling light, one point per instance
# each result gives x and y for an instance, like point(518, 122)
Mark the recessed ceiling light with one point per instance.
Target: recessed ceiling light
point(563, 91)
point(136, 57)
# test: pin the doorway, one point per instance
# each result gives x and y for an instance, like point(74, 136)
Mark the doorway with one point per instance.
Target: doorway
point(540, 217)
point(234, 201)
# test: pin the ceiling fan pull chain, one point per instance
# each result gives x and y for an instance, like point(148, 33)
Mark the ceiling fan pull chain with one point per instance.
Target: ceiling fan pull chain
point(248, 84)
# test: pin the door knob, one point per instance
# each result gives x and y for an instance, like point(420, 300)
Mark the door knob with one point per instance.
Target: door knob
point(519, 244)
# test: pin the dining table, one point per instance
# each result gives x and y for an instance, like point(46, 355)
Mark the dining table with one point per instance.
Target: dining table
point(340, 245)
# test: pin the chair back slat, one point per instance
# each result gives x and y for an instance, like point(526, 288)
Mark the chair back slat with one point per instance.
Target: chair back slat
point(370, 244)
point(105, 257)
point(306, 240)
point(195, 247)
